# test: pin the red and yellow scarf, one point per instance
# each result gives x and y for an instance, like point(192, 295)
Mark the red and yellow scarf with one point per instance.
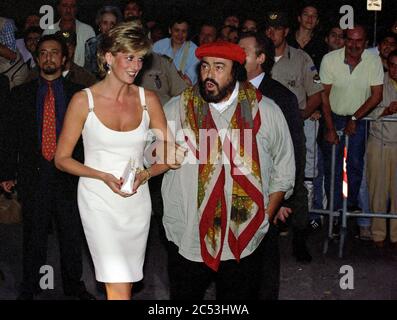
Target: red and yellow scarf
point(240, 148)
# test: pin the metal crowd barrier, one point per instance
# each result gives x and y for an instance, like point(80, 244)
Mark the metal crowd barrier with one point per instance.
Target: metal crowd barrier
point(345, 214)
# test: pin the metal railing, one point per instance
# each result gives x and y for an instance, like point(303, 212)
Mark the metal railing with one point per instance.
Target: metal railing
point(344, 213)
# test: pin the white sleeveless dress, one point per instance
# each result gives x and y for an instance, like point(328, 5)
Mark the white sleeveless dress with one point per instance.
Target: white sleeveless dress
point(116, 228)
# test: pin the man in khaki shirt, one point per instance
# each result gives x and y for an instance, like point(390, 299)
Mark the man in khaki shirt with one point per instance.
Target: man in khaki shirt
point(296, 70)
point(160, 75)
point(382, 158)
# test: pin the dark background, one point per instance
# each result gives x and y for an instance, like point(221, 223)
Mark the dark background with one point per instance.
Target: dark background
point(199, 10)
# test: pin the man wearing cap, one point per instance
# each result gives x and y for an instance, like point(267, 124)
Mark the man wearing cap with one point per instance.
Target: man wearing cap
point(239, 167)
point(72, 71)
point(295, 69)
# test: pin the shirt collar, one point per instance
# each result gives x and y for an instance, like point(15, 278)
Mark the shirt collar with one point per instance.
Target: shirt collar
point(222, 106)
point(393, 82)
point(363, 57)
point(43, 81)
point(257, 80)
point(286, 54)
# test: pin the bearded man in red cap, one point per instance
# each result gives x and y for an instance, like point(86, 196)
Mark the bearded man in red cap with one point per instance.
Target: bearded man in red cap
point(239, 167)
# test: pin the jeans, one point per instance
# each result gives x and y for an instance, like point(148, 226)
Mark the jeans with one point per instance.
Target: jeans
point(355, 162)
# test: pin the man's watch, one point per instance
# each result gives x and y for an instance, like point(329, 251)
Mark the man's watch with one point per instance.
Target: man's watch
point(353, 118)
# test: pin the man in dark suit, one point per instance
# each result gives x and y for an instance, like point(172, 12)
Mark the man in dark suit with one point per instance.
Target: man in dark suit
point(259, 63)
point(35, 115)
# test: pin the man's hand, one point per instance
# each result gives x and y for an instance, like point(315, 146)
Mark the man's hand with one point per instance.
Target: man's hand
point(331, 136)
point(282, 214)
point(7, 185)
point(315, 115)
point(393, 107)
point(350, 128)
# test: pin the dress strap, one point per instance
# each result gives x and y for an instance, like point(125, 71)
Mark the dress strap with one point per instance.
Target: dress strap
point(142, 98)
point(90, 99)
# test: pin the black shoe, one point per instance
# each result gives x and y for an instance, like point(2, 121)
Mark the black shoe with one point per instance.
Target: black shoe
point(314, 225)
point(299, 249)
point(354, 209)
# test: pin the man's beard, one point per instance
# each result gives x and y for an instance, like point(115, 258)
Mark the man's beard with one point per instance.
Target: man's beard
point(223, 92)
point(50, 70)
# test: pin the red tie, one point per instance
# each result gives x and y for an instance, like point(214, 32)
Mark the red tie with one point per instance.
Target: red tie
point(49, 135)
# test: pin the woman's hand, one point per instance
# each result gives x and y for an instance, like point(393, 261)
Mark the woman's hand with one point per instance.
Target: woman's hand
point(115, 184)
point(140, 178)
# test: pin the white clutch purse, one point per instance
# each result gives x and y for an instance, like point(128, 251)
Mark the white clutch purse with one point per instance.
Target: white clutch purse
point(129, 176)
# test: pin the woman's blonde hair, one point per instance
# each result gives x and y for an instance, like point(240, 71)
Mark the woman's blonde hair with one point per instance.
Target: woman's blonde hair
point(125, 37)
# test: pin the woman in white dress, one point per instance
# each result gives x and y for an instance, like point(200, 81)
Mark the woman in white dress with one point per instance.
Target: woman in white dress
point(113, 117)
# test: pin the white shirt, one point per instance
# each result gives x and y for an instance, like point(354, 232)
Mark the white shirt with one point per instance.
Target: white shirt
point(257, 80)
point(222, 106)
point(180, 187)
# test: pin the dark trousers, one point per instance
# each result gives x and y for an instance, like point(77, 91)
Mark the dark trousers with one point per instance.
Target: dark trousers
point(355, 162)
point(234, 280)
point(298, 200)
point(48, 203)
point(270, 285)
point(157, 204)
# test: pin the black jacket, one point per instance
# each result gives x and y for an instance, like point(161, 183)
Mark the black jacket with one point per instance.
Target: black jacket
point(20, 149)
point(289, 106)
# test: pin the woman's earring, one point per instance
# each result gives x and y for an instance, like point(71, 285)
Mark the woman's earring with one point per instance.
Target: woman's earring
point(109, 67)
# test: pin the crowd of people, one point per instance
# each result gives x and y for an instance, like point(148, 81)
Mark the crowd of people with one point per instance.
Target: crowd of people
point(80, 103)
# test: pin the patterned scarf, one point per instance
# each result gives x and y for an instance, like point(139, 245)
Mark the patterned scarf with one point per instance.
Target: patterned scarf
point(241, 151)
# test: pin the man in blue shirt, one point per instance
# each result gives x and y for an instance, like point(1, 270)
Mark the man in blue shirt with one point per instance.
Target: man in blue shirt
point(180, 50)
point(32, 124)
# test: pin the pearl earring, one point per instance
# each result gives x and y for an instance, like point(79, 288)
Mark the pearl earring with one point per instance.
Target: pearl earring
point(109, 67)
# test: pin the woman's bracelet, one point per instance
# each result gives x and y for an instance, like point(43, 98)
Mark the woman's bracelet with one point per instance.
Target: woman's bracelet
point(148, 175)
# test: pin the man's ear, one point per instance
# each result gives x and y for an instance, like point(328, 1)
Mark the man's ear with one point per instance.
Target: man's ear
point(286, 31)
point(261, 58)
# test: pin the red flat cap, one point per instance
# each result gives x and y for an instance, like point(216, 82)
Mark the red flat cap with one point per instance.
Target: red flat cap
point(222, 49)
